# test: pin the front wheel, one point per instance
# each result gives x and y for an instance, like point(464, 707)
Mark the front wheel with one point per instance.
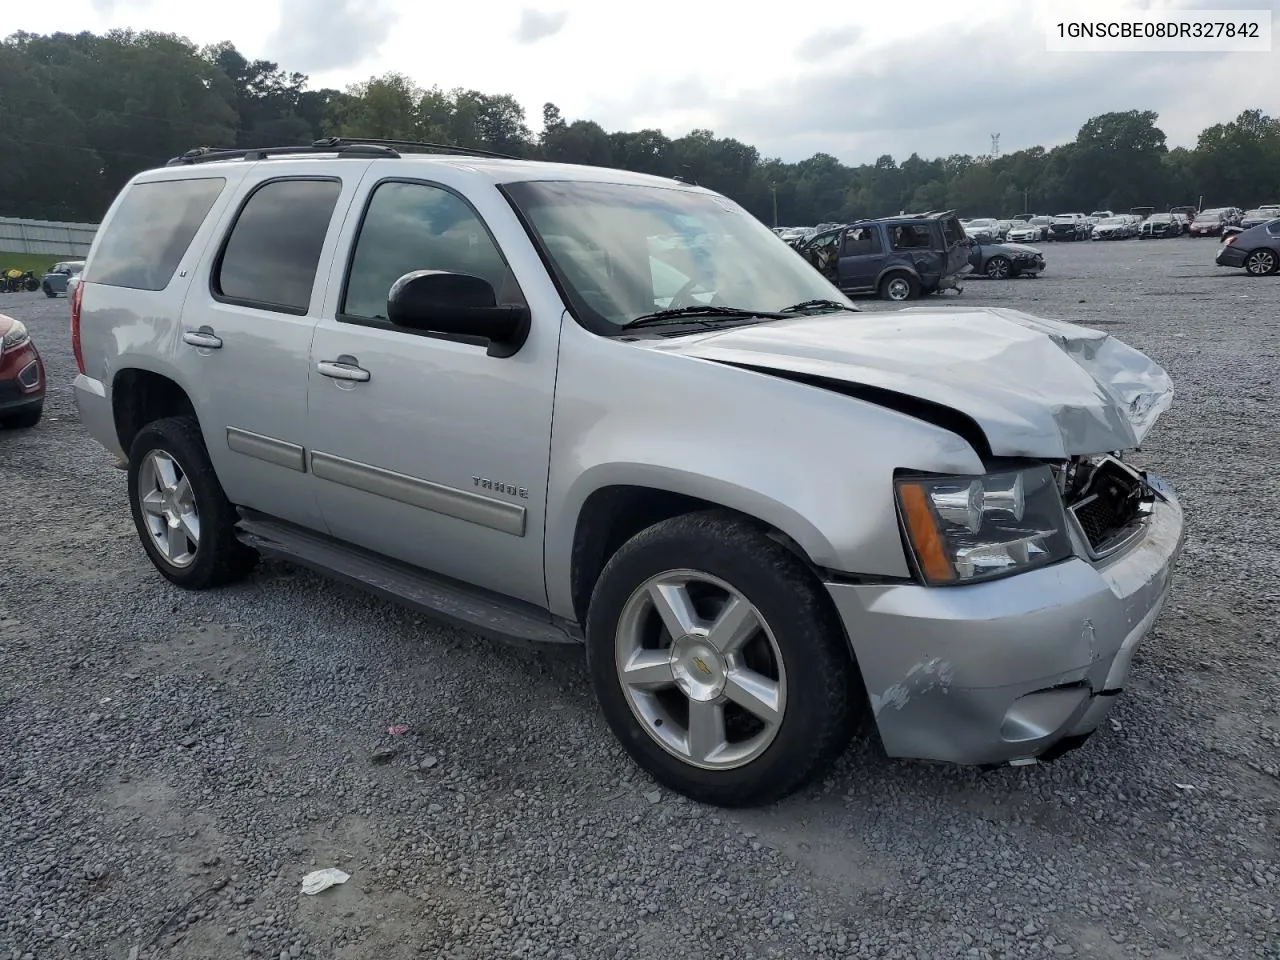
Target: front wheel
point(718, 661)
point(185, 522)
point(899, 287)
point(1259, 263)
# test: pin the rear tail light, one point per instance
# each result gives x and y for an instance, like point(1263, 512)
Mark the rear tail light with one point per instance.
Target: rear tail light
point(77, 296)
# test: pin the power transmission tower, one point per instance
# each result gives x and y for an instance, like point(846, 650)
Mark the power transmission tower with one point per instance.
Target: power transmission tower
point(995, 145)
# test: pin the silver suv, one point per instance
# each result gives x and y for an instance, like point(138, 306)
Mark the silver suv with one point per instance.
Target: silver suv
point(582, 405)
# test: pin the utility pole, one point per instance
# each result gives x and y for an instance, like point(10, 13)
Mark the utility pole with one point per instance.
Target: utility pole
point(773, 188)
point(1025, 208)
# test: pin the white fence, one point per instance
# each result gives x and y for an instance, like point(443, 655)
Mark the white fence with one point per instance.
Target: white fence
point(54, 237)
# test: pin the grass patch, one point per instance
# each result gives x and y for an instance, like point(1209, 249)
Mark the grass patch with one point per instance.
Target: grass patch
point(37, 263)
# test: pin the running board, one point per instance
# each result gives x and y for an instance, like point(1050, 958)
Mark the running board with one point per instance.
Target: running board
point(491, 614)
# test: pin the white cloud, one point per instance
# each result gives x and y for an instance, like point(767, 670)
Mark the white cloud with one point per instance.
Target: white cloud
point(537, 25)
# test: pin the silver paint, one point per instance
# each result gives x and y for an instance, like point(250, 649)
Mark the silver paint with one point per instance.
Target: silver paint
point(433, 497)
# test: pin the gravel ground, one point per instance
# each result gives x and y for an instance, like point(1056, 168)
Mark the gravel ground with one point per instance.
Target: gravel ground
point(171, 764)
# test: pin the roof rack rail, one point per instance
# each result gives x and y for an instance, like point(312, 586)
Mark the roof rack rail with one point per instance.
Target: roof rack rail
point(342, 148)
point(332, 142)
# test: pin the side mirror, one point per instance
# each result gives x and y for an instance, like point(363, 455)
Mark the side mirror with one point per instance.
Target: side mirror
point(438, 301)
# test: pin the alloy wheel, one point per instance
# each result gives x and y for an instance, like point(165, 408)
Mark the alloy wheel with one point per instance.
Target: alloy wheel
point(169, 508)
point(700, 669)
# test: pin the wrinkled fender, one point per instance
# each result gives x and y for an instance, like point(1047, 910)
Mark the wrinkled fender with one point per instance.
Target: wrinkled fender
point(898, 266)
point(815, 464)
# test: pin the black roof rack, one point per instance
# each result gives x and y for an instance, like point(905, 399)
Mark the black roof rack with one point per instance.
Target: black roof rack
point(425, 144)
point(342, 146)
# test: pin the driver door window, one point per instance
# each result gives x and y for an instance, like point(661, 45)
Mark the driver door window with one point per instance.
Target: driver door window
point(417, 226)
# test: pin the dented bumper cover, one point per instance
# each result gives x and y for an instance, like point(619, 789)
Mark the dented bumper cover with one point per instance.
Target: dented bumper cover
point(1005, 671)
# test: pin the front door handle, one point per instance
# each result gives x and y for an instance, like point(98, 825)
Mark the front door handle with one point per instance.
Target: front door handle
point(204, 337)
point(346, 367)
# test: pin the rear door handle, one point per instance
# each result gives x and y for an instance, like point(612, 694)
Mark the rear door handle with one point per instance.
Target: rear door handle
point(204, 337)
point(346, 367)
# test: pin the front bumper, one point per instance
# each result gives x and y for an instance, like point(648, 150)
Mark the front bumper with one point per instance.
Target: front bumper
point(1027, 265)
point(1013, 669)
point(1229, 256)
point(22, 380)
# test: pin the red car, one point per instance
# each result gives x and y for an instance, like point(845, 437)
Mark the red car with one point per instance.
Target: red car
point(21, 376)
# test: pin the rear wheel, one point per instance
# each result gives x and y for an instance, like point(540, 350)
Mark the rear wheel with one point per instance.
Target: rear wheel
point(185, 522)
point(999, 268)
point(718, 661)
point(899, 286)
point(1259, 263)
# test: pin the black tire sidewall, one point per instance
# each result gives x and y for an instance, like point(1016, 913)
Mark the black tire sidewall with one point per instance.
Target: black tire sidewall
point(23, 419)
point(821, 695)
point(220, 557)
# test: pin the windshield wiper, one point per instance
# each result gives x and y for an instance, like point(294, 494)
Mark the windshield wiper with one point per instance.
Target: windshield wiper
point(812, 304)
point(698, 312)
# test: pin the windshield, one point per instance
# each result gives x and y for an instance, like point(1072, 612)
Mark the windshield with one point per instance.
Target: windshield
point(1040, 221)
point(1206, 215)
point(982, 223)
point(1112, 221)
point(624, 251)
point(1160, 217)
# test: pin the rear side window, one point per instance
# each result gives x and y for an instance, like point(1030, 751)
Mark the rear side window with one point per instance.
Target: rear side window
point(272, 252)
point(910, 236)
point(861, 241)
point(151, 230)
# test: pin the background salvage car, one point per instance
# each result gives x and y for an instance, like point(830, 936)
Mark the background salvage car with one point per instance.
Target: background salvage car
point(1003, 261)
point(1160, 225)
point(898, 258)
point(1256, 249)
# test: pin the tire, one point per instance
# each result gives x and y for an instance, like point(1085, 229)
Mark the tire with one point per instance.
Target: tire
point(212, 557)
point(800, 648)
point(1261, 262)
point(23, 420)
point(899, 287)
point(49, 292)
point(999, 268)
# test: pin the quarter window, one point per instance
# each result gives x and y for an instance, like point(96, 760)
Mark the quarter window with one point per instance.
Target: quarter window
point(417, 226)
point(151, 230)
point(273, 250)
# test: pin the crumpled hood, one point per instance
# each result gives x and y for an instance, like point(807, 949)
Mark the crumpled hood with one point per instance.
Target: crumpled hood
point(1037, 388)
point(1016, 248)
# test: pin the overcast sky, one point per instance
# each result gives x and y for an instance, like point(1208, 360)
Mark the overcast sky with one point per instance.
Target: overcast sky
point(857, 79)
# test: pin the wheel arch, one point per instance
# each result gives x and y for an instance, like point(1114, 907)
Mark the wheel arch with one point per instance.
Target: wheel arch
point(614, 511)
point(140, 396)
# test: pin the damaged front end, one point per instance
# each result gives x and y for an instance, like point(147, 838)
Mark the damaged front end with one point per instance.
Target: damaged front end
point(1022, 665)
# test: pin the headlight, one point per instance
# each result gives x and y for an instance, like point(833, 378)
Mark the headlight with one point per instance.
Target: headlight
point(964, 529)
point(16, 337)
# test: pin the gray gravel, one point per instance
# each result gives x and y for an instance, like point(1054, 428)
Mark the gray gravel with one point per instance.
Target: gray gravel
point(172, 764)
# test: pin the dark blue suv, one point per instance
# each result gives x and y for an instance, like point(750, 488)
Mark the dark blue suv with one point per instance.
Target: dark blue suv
point(897, 258)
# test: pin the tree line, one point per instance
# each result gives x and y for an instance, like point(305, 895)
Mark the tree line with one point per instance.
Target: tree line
point(84, 112)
